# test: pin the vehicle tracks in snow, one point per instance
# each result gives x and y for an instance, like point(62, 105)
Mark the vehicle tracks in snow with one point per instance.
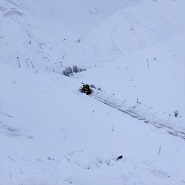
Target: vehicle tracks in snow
point(138, 112)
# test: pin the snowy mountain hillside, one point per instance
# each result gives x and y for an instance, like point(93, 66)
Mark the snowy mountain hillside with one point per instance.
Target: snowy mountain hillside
point(40, 33)
point(52, 134)
point(130, 130)
point(131, 29)
point(81, 15)
point(152, 76)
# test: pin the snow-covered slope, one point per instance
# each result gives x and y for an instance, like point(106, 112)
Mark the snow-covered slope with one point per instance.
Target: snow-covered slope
point(81, 15)
point(131, 29)
point(153, 76)
point(41, 32)
point(24, 36)
point(126, 131)
point(52, 134)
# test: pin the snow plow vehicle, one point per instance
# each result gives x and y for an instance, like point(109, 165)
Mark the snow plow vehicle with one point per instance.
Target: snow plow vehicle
point(86, 89)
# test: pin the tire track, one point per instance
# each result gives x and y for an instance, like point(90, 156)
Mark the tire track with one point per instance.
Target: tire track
point(134, 112)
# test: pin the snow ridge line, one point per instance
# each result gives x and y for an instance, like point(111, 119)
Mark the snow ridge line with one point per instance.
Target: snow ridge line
point(144, 114)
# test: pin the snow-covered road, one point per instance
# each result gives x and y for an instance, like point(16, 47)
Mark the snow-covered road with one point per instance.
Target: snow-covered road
point(148, 115)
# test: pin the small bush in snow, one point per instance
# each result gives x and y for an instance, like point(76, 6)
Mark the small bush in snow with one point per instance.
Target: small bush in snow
point(75, 69)
point(176, 113)
point(93, 86)
point(64, 73)
point(99, 89)
point(70, 71)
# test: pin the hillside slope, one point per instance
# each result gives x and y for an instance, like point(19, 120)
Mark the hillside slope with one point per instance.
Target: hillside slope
point(125, 132)
point(52, 134)
point(153, 76)
point(41, 33)
point(131, 29)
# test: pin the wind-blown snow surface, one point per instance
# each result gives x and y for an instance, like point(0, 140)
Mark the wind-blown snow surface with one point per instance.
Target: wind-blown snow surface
point(42, 32)
point(153, 76)
point(52, 134)
point(130, 29)
point(143, 46)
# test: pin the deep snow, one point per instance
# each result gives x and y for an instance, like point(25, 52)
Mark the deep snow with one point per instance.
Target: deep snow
point(53, 134)
point(50, 133)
